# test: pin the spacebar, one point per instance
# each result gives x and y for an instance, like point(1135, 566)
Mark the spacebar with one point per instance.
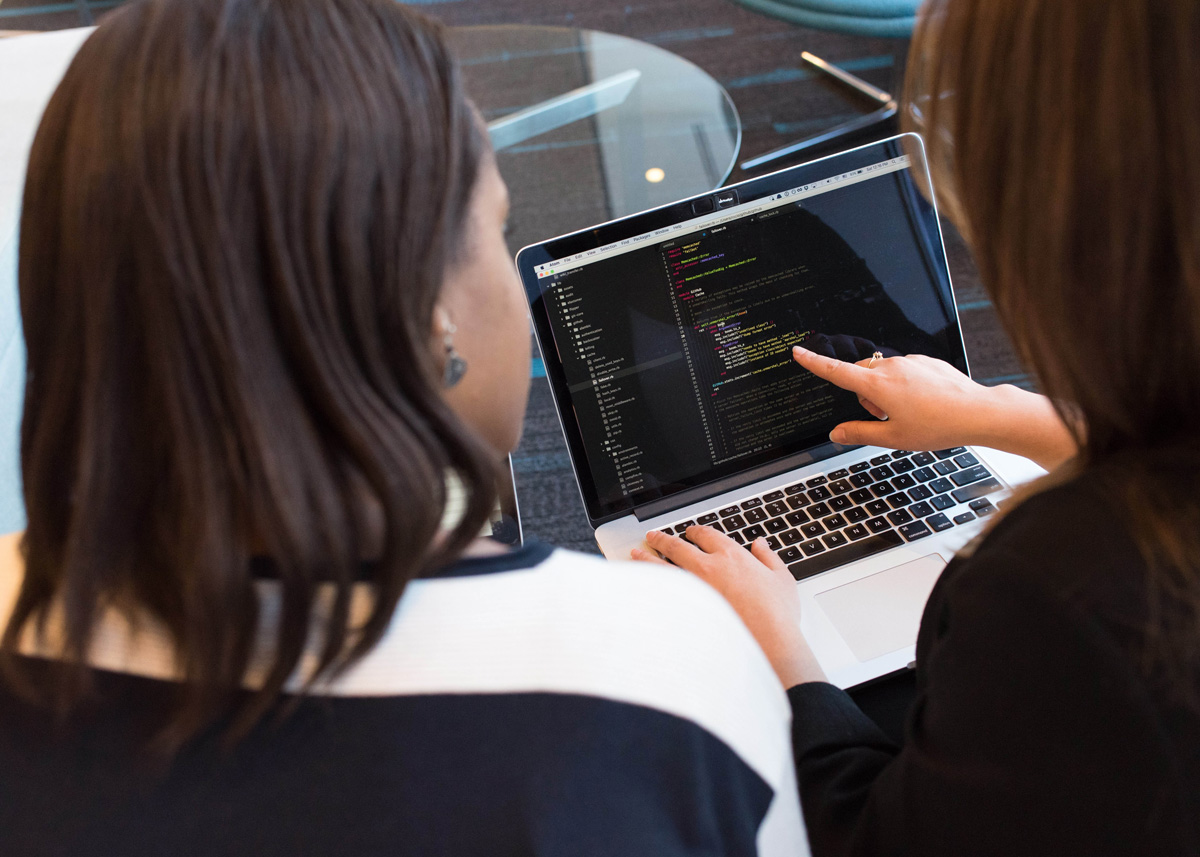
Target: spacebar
point(841, 556)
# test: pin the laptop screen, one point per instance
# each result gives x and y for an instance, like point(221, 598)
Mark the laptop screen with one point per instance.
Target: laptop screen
point(670, 349)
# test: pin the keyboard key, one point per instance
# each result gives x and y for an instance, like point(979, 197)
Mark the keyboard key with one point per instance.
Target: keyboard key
point(716, 525)
point(862, 495)
point(882, 489)
point(972, 474)
point(858, 531)
point(682, 528)
point(940, 486)
point(790, 537)
point(773, 496)
point(943, 502)
point(923, 459)
point(979, 489)
point(860, 467)
point(812, 529)
point(834, 540)
point(903, 466)
point(777, 508)
point(877, 507)
point(776, 525)
point(812, 548)
point(834, 522)
point(840, 504)
point(820, 493)
point(901, 453)
point(796, 518)
point(884, 472)
point(790, 554)
point(916, 530)
point(840, 487)
point(920, 510)
point(667, 531)
point(899, 516)
point(820, 510)
point(945, 468)
point(938, 522)
point(923, 474)
point(794, 489)
point(843, 555)
point(984, 507)
point(773, 543)
point(752, 533)
point(920, 493)
point(880, 459)
point(734, 523)
point(799, 501)
point(861, 480)
point(752, 503)
point(897, 500)
point(754, 516)
point(878, 525)
point(730, 510)
point(904, 481)
point(737, 537)
point(815, 481)
point(947, 453)
point(964, 518)
point(966, 460)
point(856, 514)
point(839, 474)
point(705, 520)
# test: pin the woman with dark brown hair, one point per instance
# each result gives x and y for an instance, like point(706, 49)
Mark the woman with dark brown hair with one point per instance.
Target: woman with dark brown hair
point(276, 346)
point(1057, 705)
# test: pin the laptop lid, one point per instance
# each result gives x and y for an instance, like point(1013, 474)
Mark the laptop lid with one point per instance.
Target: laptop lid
point(667, 335)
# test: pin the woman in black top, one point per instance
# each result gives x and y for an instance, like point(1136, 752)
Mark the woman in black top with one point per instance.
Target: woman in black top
point(1058, 662)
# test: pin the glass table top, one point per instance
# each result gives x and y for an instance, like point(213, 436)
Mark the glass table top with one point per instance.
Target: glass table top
point(590, 126)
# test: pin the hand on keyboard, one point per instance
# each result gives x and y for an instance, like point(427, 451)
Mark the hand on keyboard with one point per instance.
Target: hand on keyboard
point(758, 586)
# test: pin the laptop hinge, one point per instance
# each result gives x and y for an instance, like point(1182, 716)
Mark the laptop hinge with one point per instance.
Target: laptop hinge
point(730, 483)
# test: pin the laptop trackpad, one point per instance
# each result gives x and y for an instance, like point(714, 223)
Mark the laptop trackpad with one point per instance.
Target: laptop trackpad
point(881, 613)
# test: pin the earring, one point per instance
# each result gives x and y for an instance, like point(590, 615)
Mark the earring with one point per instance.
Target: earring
point(456, 366)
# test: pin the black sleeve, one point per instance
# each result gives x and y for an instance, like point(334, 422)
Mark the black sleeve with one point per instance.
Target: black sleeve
point(1031, 734)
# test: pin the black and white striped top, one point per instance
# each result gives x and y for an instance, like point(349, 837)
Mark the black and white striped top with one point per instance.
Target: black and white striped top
point(542, 702)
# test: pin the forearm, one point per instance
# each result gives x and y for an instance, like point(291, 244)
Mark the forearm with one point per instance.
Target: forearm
point(1017, 421)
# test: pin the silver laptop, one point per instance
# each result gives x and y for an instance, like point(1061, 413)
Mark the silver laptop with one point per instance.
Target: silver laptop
point(667, 340)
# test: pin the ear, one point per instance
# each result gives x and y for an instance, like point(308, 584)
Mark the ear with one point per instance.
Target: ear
point(441, 321)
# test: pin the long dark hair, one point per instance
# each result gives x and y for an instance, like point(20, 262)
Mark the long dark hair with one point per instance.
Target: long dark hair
point(237, 219)
point(1065, 134)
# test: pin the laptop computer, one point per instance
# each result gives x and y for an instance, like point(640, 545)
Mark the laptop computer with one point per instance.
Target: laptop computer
point(667, 340)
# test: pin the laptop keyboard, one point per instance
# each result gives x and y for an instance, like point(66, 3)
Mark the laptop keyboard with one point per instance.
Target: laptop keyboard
point(844, 515)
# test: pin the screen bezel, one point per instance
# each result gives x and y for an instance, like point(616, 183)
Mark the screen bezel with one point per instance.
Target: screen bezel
point(923, 210)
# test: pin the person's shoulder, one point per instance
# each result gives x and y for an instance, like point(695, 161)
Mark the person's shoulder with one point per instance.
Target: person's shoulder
point(1060, 536)
point(569, 623)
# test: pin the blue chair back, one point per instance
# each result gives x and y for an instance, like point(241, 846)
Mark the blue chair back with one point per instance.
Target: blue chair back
point(883, 18)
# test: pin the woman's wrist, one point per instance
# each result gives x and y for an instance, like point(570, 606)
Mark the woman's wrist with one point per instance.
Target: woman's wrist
point(1023, 423)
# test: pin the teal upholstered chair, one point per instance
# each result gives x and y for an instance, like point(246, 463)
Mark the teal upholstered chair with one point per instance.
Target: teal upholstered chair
point(875, 18)
point(884, 18)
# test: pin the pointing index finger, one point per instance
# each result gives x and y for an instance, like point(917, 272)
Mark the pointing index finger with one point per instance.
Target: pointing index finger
point(848, 376)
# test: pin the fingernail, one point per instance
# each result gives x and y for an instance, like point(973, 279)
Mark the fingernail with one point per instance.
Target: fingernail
point(651, 533)
point(838, 435)
point(796, 349)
